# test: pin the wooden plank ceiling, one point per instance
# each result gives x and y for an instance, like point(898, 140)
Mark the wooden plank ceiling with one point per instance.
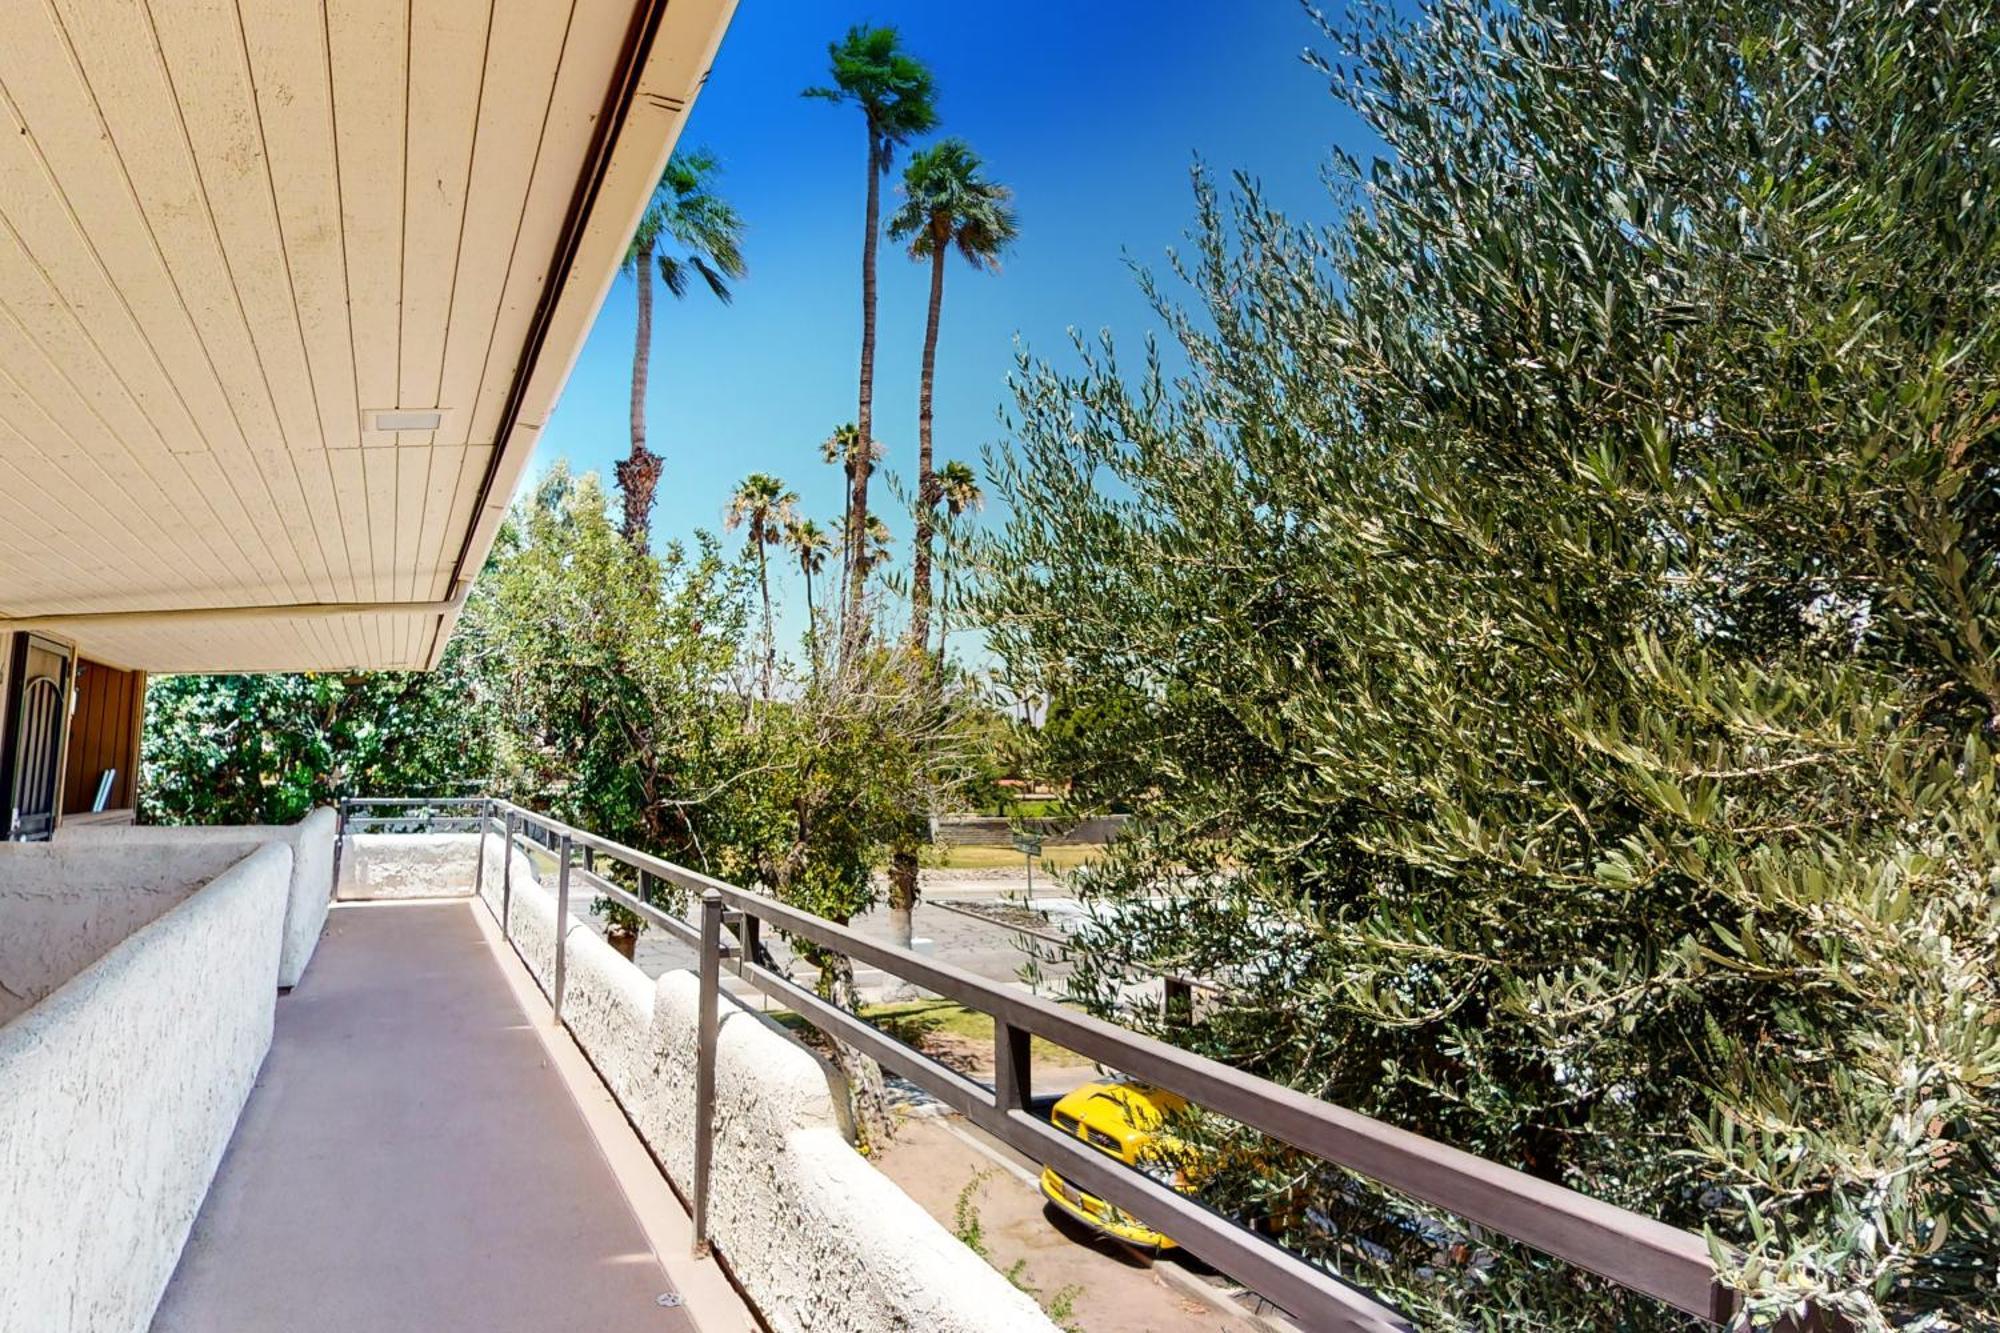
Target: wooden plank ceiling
point(233, 233)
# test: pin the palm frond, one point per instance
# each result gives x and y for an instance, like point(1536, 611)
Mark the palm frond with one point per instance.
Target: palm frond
point(716, 282)
point(674, 274)
point(687, 210)
point(895, 91)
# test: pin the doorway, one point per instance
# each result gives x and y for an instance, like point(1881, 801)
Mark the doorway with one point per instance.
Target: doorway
point(37, 695)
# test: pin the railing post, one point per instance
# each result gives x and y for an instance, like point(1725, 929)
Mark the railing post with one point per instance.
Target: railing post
point(506, 872)
point(562, 924)
point(1013, 1066)
point(704, 1061)
point(479, 866)
point(339, 843)
point(747, 932)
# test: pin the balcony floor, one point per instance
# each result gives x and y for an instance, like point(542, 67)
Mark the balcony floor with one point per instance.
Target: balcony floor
point(412, 1158)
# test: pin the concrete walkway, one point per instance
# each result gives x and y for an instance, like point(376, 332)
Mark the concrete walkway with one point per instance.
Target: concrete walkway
point(411, 1159)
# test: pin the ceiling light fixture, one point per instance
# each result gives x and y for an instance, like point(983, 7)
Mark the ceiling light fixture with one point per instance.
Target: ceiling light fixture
point(402, 419)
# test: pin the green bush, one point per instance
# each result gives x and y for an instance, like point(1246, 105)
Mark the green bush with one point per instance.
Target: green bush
point(267, 749)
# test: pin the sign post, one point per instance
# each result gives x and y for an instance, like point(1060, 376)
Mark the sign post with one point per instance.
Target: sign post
point(1029, 846)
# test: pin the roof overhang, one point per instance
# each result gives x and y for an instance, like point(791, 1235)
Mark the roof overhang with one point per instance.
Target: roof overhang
point(288, 292)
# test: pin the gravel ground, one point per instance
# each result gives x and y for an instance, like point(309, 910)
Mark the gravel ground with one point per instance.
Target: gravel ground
point(1112, 1289)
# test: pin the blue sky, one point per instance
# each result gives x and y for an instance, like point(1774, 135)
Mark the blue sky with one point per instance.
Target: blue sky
point(1092, 112)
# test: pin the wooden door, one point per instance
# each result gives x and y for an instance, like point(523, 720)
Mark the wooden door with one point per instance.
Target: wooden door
point(37, 697)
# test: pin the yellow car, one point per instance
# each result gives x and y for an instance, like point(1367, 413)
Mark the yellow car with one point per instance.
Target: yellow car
point(1121, 1120)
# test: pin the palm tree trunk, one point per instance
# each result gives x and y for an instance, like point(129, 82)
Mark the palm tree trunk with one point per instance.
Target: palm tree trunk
point(857, 504)
point(927, 498)
point(812, 625)
point(944, 610)
point(903, 868)
point(846, 547)
point(639, 472)
point(764, 591)
point(902, 903)
point(903, 871)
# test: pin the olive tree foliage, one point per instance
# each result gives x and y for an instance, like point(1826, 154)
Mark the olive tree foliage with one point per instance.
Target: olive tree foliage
point(1552, 626)
point(834, 772)
point(267, 749)
point(630, 696)
point(618, 678)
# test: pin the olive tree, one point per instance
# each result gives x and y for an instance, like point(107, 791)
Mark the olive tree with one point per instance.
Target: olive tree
point(1549, 618)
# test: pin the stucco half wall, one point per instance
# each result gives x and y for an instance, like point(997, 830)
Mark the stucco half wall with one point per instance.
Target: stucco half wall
point(121, 1090)
point(818, 1238)
point(62, 909)
point(201, 852)
point(410, 865)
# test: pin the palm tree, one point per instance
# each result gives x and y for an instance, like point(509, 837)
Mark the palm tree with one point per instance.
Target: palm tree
point(763, 505)
point(947, 205)
point(958, 488)
point(810, 543)
point(875, 543)
point(706, 237)
point(897, 95)
point(844, 447)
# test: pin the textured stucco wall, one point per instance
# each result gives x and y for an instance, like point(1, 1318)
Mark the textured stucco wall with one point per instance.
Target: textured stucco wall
point(832, 1241)
point(410, 865)
point(311, 892)
point(212, 847)
point(63, 907)
point(121, 1090)
point(818, 1238)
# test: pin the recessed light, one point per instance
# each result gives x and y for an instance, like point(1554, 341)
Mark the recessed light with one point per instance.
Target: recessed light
point(398, 419)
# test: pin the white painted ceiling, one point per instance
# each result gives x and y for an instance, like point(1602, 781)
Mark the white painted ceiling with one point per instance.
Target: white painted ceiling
point(230, 233)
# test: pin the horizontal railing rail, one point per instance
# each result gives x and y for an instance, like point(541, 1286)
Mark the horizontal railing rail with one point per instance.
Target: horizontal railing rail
point(467, 811)
point(406, 802)
point(1634, 1251)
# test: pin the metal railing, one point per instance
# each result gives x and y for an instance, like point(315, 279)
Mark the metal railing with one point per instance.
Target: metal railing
point(1636, 1252)
point(430, 814)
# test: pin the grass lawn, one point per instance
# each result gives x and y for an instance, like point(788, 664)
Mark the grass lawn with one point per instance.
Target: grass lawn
point(1054, 857)
point(941, 1028)
point(1030, 809)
